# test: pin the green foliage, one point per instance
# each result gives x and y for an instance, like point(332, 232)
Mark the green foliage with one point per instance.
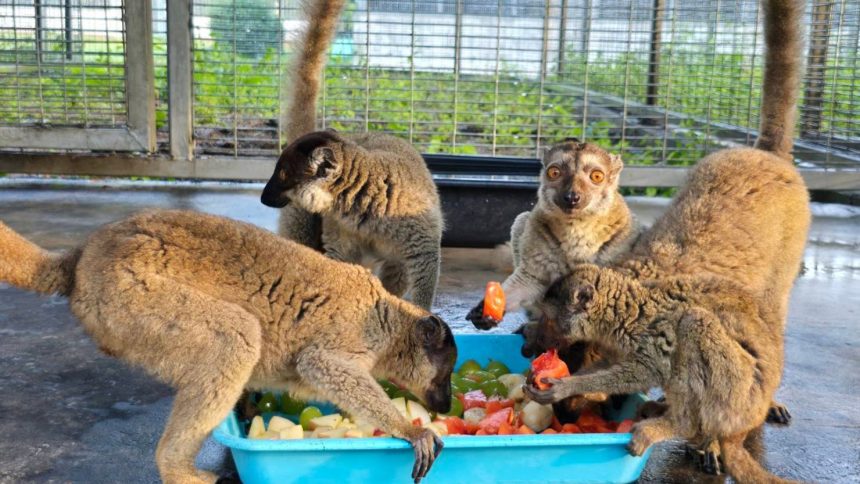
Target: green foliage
point(252, 26)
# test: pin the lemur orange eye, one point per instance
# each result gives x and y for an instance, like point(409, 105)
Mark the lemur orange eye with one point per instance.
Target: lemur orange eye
point(597, 176)
point(553, 172)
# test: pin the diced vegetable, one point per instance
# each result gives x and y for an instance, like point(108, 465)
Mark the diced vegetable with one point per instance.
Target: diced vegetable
point(512, 380)
point(257, 429)
point(278, 423)
point(480, 376)
point(495, 404)
point(400, 405)
point(494, 387)
point(332, 433)
point(492, 422)
point(474, 415)
point(294, 432)
point(494, 301)
point(548, 365)
point(625, 426)
point(456, 407)
point(417, 411)
point(326, 421)
point(290, 405)
point(456, 426)
point(267, 403)
point(473, 399)
point(497, 368)
point(469, 366)
point(270, 435)
point(538, 417)
point(308, 414)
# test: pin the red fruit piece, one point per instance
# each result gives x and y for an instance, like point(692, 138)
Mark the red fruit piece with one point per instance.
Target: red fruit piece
point(491, 423)
point(495, 404)
point(625, 426)
point(456, 425)
point(548, 365)
point(494, 301)
point(525, 430)
point(570, 428)
point(506, 429)
point(473, 399)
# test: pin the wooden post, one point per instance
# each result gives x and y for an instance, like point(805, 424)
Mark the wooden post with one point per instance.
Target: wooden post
point(180, 93)
point(816, 65)
point(652, 90)
point(562, 27)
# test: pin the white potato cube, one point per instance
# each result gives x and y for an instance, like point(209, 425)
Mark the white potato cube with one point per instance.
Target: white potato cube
point(277, 423)
point(258, 428)
point(292, 433)
point(536, 416)
point(474, 415)
point(326, 421)
point(332, 434)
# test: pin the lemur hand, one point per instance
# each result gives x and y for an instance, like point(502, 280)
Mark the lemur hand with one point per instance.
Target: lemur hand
point(556, 393)
point(427, 447)
point(476, 316)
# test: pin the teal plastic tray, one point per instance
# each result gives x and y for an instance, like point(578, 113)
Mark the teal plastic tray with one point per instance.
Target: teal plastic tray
point(582, 458)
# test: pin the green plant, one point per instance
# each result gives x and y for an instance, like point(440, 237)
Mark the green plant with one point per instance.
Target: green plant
point(252, 26)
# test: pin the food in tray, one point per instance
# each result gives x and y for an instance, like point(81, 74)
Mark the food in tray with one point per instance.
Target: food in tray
point(485, 400)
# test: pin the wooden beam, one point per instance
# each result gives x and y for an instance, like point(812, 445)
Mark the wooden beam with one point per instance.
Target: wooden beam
point(260, 169)
point(140, 72)
point(180, 107)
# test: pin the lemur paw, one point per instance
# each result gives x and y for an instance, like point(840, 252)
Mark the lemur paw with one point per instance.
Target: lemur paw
point(476, 316)
point(778, 414)
point(427, 447)
point(553, 394)
point(640, 441)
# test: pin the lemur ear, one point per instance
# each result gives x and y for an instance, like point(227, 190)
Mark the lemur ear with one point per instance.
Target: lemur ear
point(583, 295)
point(433, 331)
point(615, 164)
point(323, 161)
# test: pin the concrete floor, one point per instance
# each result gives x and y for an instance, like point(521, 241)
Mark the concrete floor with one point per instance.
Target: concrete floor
point(71, 414)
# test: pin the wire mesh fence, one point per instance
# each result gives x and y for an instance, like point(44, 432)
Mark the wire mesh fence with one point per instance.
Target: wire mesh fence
point(62, 63)
point(661, 81)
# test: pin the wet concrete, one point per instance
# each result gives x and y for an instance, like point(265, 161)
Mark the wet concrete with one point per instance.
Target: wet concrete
point(71, 414)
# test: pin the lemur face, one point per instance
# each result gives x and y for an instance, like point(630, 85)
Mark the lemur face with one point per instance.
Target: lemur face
point(304, 173)
point(578, 178)
point(434, 361)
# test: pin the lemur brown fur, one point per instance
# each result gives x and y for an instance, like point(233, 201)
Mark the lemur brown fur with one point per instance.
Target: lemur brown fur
point(706, 342)
point(212, 307)
point(578, 218)
point(743, 213)
point(356, 197)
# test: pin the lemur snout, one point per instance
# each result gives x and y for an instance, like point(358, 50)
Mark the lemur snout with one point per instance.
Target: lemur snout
point(571, 198)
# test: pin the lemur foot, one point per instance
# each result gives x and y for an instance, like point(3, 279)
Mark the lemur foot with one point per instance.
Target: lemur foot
point(707, 457)
point(778, 414)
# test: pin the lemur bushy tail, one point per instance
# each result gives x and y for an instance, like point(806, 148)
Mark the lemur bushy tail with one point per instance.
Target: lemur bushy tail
point(308, 63)
point(25, 265)
point(781, 82)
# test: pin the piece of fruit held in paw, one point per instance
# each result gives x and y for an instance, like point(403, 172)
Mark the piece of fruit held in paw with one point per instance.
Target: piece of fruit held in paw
point(494, 301)
point(548, 365)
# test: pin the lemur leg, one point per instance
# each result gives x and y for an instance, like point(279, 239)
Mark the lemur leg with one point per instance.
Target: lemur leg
point(205, 347)
point(393, 277)
point(348, 384)
point(649, 432)
point(625, 377)
point(422, 268)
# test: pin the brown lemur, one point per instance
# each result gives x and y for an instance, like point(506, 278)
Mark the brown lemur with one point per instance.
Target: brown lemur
point(213, 306)
point(354, 196)
point(579, 217)
point(706, 341)
point(743, 213)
